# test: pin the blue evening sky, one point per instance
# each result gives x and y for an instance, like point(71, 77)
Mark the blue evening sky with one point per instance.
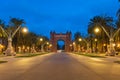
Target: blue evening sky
point(42, 16)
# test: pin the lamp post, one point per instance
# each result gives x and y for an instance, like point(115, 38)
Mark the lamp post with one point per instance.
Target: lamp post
point(50, 45)
point(111, 50)
point(10, 35)
point(96, 45)
point(47, 46)
point(41, 39)
point(42, 46)
point(87, 43)
point(71, 47)
point(24, 30)
point(80, 44)
point(74, 46)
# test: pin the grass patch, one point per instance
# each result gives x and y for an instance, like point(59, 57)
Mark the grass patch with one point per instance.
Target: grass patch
point(29, 54)
point(3, 62)
point(91, 55)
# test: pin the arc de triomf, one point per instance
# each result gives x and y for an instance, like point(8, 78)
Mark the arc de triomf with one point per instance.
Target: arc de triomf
point(66, 37)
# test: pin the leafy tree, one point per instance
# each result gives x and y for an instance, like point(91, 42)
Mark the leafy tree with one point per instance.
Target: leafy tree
point(78, 36)
point(43, 43)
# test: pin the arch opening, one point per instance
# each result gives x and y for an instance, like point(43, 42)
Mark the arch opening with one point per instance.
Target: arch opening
point(60, 45)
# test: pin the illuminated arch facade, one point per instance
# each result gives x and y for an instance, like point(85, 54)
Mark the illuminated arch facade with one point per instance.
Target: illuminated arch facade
point(54, 37)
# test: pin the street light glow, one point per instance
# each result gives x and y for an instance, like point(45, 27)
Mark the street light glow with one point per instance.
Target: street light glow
point(73, 43)
point(80, 39)
point(47, 43)
point(41, 39)
point(50, 45)
point(118, 45)
point(104, 44)
point(97, 30)
point(70, 45)
point(95, 40)
point(114, 44)
point(1, 46)
point(25, 30)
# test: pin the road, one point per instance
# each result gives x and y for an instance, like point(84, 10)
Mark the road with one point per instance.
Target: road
point(60, 66)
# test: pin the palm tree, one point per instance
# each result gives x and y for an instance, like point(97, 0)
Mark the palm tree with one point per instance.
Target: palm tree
point(106, 22)
point(2, 24)
point(118, 24)
point(118, 0)
point(10, 33)
point(14, 24)
point(2, 34)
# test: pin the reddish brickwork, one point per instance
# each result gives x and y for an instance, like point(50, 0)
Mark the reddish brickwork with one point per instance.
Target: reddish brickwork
point(66, 37)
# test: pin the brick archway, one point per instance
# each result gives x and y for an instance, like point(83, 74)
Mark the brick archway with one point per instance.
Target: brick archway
point(54, 37)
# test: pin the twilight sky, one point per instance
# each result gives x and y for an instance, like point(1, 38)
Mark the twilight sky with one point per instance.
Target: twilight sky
point(42, 16)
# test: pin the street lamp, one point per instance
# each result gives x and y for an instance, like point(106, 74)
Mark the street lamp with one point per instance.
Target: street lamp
point(97, 30)
point(25, 30)
point(79, 39)
point(41, 39)
point(42, 45)
point(80, 44)
point(47, 43)
point(73, 43)
point(95, 40)
point(47, 46)
point(96, 45)
point(87, 43)
point(50, 45)
point(74, 46)
point(71, 47)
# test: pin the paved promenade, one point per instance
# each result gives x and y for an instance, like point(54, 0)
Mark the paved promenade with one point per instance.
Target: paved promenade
point(60, 66)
